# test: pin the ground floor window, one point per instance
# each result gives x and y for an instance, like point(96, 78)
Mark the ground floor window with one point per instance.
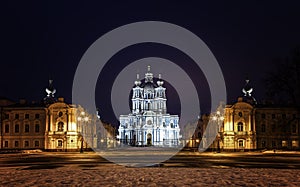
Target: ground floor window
point(26, 144)
point(284, 143)
point(295, 143)
point(36, 143)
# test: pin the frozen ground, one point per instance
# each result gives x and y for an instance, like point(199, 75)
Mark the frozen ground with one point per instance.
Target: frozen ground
point(121, 176)
point(185, 169)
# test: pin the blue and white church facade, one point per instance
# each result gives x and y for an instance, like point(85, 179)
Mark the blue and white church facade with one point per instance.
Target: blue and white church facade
point(149, 124)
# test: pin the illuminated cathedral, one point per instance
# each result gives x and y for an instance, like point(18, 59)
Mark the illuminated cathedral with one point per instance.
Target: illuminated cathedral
point(149, 124)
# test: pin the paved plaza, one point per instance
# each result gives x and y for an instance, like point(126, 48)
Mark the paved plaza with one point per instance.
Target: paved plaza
point(184, 169)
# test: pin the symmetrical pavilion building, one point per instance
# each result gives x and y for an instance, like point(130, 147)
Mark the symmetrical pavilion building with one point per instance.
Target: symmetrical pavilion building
point(52, 125)
point(149, 123)
point(248, 125)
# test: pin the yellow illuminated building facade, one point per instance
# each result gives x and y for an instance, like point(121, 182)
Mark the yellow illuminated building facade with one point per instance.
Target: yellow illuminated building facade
point(52, 125)
point(247, 126)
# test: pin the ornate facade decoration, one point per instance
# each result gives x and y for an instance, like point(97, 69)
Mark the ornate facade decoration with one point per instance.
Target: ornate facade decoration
point(149, 123)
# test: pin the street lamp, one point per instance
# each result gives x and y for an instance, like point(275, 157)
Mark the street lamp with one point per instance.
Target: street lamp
point(218, 117)
point(82, 118)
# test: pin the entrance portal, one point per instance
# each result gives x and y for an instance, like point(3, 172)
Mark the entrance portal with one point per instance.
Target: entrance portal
point(149, 139)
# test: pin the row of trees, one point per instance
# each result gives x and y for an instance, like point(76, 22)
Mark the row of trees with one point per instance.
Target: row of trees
point(283, 83)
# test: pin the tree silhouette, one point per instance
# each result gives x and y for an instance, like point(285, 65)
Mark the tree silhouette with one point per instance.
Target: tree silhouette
point(283, 84)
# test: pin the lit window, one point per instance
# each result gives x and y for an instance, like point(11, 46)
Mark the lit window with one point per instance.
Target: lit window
point(240, 127)
point(295, 143)
point(284, 143)
point(60, 126)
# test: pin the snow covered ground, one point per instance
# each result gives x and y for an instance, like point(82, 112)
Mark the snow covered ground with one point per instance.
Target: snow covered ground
point(186, 169)
point(113, 175)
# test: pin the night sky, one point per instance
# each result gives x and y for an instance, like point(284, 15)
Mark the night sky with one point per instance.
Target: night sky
point(42, 40)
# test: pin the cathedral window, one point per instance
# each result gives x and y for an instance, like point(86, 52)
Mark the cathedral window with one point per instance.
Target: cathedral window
point(164, 124)
point(240, 126)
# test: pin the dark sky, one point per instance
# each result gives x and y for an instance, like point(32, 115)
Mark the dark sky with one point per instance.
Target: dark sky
point(42, 39)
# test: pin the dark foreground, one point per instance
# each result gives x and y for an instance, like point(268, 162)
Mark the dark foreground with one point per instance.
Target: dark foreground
point(184, 169)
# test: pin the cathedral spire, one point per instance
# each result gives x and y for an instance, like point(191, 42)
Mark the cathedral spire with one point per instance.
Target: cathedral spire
point(137, 82)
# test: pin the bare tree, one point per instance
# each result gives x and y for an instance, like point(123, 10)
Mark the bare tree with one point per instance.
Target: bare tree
point(283, 83)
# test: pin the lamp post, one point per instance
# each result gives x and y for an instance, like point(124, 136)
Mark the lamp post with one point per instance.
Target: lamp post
point(218, 118)
point(82, 118)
